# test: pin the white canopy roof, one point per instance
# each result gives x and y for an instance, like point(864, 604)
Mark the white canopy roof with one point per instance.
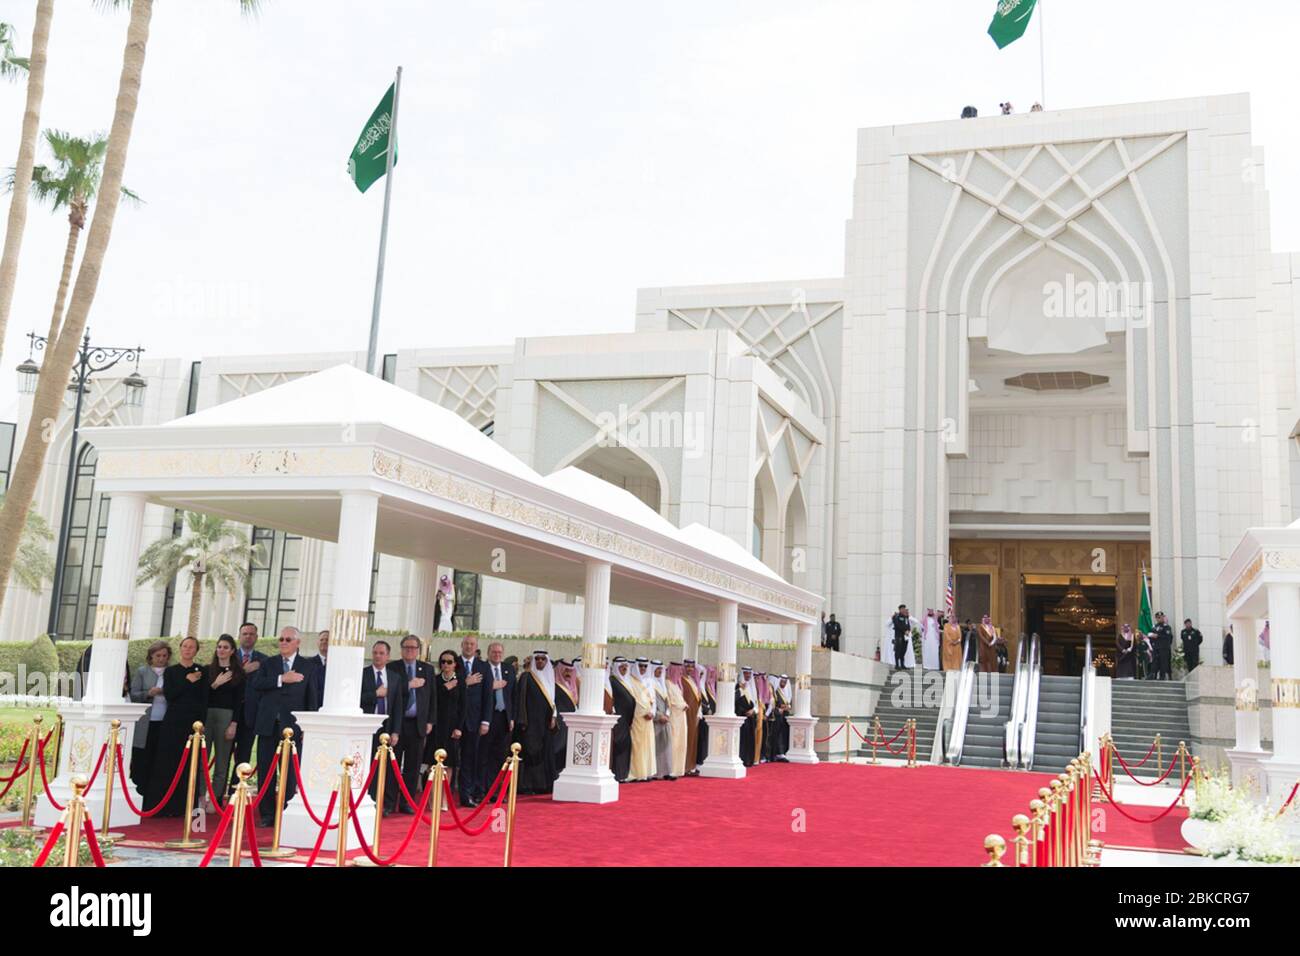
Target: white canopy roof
point(281, 458)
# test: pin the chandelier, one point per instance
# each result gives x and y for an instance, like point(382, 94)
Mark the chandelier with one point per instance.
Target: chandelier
point(1075, 606)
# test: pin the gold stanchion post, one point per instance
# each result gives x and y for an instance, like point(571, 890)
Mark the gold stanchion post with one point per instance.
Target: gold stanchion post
point(1182, 772)
point(345, 792)
point(1036, 808)
point(994, 846)
point(58, 738)
point(76, 817)
point(436, 777)
point(194, 745)
point(848, 730)
point(510, 812)
point(1021, 824)
point(1160, 756)
point(29, 792)
point(110, 768)
point(240, 804)
point(277, 852)
point(381, 775)
point(1057, 822)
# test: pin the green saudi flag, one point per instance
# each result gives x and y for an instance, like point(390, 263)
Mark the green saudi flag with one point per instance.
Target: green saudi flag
point(1145, 624)
point(369, 159)
point(1011, 21)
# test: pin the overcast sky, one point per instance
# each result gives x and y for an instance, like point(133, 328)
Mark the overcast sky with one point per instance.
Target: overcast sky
point(555, 156)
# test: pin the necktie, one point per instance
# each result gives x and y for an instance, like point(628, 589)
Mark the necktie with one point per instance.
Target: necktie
point(410, 676)
point(500, 694)
point(285, 662)
point(381, 703)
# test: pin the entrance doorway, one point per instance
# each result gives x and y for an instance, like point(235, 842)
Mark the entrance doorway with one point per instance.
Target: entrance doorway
point(1063, 640)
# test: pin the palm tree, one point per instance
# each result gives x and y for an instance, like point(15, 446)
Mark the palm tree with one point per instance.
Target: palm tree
point(12, 66)
point(212, 550)
point(34, 564)
point(70, 183)
point(61, 354)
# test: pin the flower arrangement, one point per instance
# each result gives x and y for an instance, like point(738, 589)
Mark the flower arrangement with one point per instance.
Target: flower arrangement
point(1216, 799)
point(1251, 833)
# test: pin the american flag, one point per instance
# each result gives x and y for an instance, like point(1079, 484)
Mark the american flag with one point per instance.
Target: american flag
point(948, 597)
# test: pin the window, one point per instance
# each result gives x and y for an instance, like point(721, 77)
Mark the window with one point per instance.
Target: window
point(83, 553)
point(465, 615)
point(271, 596)
point(6, 453)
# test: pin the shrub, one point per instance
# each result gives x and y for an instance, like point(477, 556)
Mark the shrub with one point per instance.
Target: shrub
point(40, 657)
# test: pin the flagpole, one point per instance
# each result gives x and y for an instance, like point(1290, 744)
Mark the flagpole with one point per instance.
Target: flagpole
point(1042, 70)
point(383, 229)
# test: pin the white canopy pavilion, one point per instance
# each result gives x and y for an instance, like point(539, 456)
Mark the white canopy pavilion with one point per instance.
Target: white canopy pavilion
point(1261, 583)
point(343, 456)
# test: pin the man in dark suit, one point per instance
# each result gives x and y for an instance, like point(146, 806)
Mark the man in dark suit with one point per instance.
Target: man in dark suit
point(418, 716)
point(383, 691)
point(284, 684)
point(318, 675)
point(245, 732)
point(1191, 639)
point(477, 678)
point(499, 718)
point(1163, 643)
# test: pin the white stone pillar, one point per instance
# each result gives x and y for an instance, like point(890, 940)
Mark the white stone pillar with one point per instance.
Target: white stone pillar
point(87, 723)
point(423, 597)
point(724, 726)
point(802, 722)
point(586, 777)
point(1283, 768)
point(339, 729)
point(1246, 756)
point(691, 642)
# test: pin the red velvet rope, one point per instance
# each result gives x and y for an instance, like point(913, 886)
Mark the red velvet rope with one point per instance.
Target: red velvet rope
point(302, 792)
point(1282, 809)
point(320, 837)
point(456, 823)
point(96, 857)
point(410, 832)
point(822, 740)
point(1172, 763)
point(224, 822)
point(52, 839)
point(1130, 816)
point(487, 798)
point(126, 791)
point(275, 772)
point(252, 835)
point(14, 779)
point(19, 762)
point(1147, 757)
point(40, 754)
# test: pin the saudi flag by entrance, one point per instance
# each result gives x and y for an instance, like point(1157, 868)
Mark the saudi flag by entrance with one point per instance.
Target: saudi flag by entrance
point(369, 159)
point(1010, 21)
point(1145, 624)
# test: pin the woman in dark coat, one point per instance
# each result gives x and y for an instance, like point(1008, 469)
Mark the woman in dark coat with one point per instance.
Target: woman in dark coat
point(449, 697)
point(185, 685)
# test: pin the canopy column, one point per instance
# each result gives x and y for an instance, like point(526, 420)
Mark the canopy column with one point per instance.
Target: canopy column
point(802, 721)
point(339, 729)
point(1283, 768)
point(424, 595)
point(586, 777)
point(87, 723)
point(724, 726)
point(1245, 757)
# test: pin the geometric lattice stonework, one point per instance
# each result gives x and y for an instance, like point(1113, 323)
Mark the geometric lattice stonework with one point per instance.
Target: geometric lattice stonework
point(468, 390)
point(1055, 381)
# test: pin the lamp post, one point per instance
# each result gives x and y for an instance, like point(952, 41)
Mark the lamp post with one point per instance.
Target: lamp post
point(90, 360)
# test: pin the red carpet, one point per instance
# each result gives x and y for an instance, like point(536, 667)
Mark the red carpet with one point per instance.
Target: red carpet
point(783, 814)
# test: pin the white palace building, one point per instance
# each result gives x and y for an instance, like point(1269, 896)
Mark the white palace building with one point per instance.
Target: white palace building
point(1061, 347)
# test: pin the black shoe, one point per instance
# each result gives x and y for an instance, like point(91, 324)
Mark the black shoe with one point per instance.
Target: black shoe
point(669, 777)
point(266, 822)
point(407, 810)
point(470, 803)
